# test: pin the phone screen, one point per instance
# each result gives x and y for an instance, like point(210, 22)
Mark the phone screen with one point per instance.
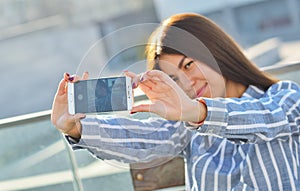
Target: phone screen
point(100, 95)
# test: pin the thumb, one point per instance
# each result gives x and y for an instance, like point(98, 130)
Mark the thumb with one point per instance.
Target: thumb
point(142, 108)
point(79, 116)
point(75, 118)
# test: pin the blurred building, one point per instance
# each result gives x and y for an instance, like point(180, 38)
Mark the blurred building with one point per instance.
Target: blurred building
point(248, 21)
point(14, 12)
point(42, 39)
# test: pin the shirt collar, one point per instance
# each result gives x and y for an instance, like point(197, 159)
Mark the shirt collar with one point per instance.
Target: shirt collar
point(253, 92)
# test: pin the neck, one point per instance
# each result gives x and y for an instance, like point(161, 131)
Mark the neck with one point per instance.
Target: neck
point(234, 89)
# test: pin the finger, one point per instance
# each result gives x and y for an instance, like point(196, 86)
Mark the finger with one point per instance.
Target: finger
point(163, 78)
point(157, 78)
point(154, 92)
point(74, 78)
point(156, 84)
point(75, 118)
point(143, 76)
point(149, 82)
point(130, 74)
point(141, 108)
point(62, 87)
point(160, 76)
point(66, 76)
point(134, 78)
point(79, 116)
point(144, 79)
point(85, 75)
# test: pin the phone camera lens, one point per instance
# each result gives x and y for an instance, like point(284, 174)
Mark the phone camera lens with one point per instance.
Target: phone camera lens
point(80, 97)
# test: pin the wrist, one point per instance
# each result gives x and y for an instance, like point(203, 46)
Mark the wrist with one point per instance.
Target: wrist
point(203, 110)
point(75, 131)
point(196, 112)
point(199, 112)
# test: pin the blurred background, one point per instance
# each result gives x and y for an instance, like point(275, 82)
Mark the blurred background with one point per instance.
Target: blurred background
point(41, 39)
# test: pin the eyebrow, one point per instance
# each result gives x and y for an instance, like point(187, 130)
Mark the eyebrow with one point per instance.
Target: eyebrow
point(181, 62)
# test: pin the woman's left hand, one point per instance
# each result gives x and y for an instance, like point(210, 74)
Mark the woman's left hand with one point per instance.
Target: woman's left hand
point(167, 99)
point(60, 117)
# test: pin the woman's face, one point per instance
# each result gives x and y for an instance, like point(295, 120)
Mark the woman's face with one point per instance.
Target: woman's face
point(195, 78)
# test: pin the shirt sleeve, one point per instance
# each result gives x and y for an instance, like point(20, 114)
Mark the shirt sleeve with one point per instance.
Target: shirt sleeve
point(129, 140)
point(276, 114)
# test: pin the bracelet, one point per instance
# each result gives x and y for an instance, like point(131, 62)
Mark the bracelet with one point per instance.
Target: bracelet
point(197, 124)
point(200, 100)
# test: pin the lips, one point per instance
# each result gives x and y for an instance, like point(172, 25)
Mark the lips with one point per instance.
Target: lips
point(201, 90)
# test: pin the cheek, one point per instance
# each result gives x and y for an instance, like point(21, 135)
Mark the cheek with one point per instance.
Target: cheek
point(216, 85)
point(217, 88)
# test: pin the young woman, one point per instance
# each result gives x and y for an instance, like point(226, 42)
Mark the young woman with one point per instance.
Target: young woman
point(237, 127)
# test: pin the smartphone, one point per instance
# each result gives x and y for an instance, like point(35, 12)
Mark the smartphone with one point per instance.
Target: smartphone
point(100, 95)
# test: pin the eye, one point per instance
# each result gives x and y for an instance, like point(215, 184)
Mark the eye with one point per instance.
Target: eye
point(188, 65)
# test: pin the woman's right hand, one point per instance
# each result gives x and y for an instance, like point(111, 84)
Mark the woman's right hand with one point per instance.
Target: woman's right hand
point(60, 117)
point(167, 98)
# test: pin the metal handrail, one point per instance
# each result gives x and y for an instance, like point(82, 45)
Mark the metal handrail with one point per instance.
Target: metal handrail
point(40, 116)
point(25, 119)
point(77, 183)
point(278, 69)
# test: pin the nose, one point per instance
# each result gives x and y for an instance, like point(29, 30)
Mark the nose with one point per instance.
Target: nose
point(188, 82)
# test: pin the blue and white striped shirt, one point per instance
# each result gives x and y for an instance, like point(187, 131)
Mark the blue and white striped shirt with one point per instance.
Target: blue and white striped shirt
point(247, 143)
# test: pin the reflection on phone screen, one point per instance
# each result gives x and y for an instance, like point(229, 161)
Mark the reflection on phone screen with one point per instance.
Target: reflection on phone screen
point(101, 95)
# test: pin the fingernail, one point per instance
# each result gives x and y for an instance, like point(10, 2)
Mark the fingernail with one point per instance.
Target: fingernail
point(67, 74)
point(133, 85)
point(132, 112)
point(142, 79)
point(71, 79)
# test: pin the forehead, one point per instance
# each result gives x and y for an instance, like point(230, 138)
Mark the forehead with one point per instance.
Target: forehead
point(173, 59)
point(171, 62)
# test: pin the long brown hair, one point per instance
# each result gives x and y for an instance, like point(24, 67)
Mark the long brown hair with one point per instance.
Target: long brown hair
point(179, 35)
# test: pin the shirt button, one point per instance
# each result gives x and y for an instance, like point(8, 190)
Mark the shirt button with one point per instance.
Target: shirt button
point(139, 177)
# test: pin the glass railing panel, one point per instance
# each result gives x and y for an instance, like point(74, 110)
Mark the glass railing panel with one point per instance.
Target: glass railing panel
point(97, 174)
point(107, 175)
point(34, 157)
